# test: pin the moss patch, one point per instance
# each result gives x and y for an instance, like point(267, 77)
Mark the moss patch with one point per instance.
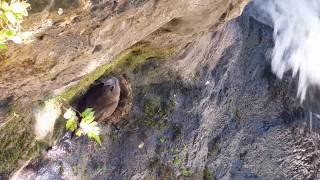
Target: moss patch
point(156, 102)
point(123, 63)
point(17, 142)
point(185, 172)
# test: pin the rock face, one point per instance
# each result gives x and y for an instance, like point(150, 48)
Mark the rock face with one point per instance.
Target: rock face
point(212, 111)
point(205, 104)
point(72, 50)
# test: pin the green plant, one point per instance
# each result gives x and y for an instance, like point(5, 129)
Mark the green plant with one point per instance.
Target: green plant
point(185, 172)
point(176, 156)
point(72, 120)
point(11, 17)
point(162, 140)
point(87, 124)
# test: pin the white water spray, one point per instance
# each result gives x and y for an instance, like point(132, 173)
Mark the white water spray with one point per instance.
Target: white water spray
point(297, 39)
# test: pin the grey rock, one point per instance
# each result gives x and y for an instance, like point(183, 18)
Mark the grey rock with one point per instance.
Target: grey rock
point(233, 119)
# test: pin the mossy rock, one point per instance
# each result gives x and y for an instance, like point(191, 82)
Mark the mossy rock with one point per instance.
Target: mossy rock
point(18, 142)
point(17, 139)
point(156, 102)
point(124, 63)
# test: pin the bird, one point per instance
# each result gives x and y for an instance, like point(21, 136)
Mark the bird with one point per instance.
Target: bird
point(103, 98)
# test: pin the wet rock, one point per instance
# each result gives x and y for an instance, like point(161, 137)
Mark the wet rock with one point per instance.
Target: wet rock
point(246, 124)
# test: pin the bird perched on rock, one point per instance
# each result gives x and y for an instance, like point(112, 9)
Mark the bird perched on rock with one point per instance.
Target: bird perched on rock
point(103, 98)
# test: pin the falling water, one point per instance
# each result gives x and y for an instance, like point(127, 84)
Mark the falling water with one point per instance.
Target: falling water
point(297, 38)
point(296, 26)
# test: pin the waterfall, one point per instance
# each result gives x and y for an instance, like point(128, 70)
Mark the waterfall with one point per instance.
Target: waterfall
point(296, 26)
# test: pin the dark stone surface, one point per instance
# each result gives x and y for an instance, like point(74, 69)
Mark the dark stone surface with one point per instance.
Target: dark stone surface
point(235, 120)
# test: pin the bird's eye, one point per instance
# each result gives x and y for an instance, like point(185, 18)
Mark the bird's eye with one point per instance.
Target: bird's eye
point(112, 87)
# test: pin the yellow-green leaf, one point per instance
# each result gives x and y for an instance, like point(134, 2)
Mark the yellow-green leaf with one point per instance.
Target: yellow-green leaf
point(5, 6)
point(97, 138)
point(78, 133)
point(20, 8)
point(8, 32)
point(3, 46)
point(86, 112)
point(11, 18)
point(72, 124)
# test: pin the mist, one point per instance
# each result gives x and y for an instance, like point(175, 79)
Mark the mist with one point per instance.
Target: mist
point(296, 26)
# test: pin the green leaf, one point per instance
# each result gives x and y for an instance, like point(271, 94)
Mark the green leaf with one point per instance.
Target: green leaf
point(97, 138)
point(88, 119)
point(72, 124)
point(3, 18)
point(87, 125)
point(8, 32)
point(86, 112)
point(162, 140)
point(176, 161)
point(20, 8)
point(91, 134)
point(11, 17)
point(78, 133)
point(3, 46)
point(87, 115)
point(5, 6)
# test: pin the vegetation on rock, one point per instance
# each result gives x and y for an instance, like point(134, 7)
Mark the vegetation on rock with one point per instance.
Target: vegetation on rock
point(11, 17)
point(15, 144)
point(87, 125)
point(124, 62)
